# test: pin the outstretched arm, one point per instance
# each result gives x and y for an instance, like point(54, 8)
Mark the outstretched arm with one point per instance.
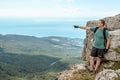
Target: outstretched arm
point(82, 27)
point(85, 27)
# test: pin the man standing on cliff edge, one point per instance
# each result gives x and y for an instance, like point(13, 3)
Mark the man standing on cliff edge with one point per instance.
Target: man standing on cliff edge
point(100, 44)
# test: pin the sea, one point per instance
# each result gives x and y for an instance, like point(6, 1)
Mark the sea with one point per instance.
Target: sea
point(42, 28)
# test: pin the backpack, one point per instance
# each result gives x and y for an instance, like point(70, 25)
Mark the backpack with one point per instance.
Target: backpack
point(104, 34)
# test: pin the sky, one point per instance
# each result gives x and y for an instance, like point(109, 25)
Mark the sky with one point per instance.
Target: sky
point(26, 17)
point(59, 8)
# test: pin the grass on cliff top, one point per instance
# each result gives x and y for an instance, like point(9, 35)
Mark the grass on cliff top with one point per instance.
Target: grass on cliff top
point(82, 75)
point(116, 65)
point(117, 49)
point(118, 78)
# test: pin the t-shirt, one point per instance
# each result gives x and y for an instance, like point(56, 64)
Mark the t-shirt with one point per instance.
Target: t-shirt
point(99, 38)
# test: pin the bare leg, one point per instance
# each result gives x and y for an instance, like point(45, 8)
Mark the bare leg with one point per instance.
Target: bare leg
point(91, 63)
point(98, 63)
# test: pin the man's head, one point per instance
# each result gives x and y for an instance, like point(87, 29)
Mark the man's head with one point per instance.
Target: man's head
point(101, 23)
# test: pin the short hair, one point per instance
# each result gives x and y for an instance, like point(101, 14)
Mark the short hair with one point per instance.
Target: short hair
point(102, 21)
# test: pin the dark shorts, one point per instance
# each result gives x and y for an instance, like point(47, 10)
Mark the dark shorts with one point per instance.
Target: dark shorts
point(97, 52)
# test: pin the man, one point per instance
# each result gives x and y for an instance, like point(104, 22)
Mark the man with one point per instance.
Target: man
point(99, 48)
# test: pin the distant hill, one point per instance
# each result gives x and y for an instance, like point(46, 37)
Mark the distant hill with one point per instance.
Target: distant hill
point(50, 46)
point(32, 58)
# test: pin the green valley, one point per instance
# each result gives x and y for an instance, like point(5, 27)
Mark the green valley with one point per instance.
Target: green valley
point(32, 58)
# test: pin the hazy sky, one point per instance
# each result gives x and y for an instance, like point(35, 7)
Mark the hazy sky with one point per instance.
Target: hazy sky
point(59, 8)
point(27, 17)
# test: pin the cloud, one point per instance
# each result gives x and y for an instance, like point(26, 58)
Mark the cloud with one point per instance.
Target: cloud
point(50, 12)
point(58, 11)
point(54, 12)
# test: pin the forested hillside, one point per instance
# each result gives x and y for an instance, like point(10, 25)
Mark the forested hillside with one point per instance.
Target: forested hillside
point(32, 58)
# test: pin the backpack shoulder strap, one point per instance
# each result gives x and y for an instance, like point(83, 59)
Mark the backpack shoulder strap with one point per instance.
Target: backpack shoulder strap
point(104, 34)
point(96, 29)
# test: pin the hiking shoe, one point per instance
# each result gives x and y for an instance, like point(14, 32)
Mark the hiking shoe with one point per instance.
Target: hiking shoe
point(94, 72)
point(87, 68)
point(91, 71)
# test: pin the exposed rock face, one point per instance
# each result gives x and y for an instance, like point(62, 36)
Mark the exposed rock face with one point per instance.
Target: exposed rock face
point(113, 25)
point(108, 75)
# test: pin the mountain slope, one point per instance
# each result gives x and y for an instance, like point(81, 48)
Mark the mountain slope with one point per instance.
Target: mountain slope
point(32, 58)
point(50, 46)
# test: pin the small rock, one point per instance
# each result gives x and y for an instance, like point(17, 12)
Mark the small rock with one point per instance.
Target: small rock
point(107, 74)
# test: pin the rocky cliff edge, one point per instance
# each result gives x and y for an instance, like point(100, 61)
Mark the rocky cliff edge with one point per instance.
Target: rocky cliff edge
point(110, 69)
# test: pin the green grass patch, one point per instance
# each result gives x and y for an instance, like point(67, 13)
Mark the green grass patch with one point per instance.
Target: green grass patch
point(118, 78)
point(116, 65)
point(83, 75)
point(117, 49)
